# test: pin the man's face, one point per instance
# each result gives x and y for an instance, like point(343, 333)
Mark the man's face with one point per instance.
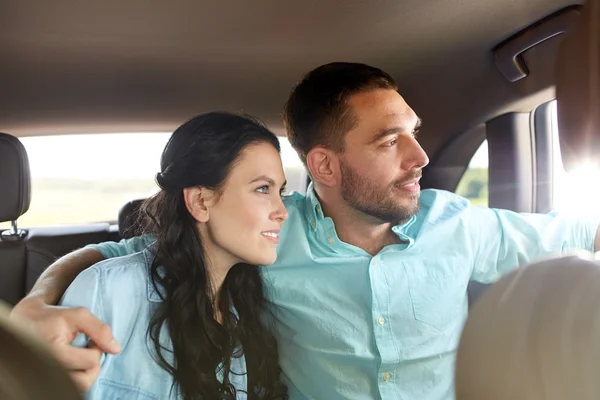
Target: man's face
point(382, 161)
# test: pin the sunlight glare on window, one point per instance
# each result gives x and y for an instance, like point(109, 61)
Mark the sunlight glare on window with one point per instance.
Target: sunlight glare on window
point(577, 191)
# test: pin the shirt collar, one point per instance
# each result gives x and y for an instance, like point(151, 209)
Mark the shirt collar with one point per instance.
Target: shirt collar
point(405, 233)
point(313, 211)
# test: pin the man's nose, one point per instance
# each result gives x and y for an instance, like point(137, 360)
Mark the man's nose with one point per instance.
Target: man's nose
point(414, 157)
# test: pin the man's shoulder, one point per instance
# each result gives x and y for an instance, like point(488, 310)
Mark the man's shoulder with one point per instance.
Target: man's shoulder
point(443, 200)
point(431, 196)
point(296, 205)
point(437, 206)
point(294, 200)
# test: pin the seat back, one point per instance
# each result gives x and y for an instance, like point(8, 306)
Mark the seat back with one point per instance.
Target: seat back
point(26, 253)
point(534, 335)
point(15, 185)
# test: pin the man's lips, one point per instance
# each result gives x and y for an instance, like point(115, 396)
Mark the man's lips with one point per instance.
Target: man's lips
point(411, 185)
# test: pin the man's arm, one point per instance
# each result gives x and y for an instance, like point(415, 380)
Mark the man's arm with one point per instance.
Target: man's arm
point(54, 281)
point(58, 325)
point(504, 240)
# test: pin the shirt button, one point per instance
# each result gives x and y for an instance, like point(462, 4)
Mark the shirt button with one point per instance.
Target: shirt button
point(314, 224)
point(381, 321)
point(386, 376)
point(330, 240)
point(374, 263)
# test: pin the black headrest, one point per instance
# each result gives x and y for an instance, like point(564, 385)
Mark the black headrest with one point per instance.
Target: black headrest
point(128, 219)
point(15, 178)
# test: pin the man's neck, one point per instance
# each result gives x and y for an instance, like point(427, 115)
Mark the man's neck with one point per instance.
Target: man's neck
point(358, 229)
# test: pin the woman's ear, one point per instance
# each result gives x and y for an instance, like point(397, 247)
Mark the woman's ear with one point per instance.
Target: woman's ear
point(195, 202)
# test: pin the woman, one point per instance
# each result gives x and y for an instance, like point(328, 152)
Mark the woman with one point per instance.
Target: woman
point(188, 310)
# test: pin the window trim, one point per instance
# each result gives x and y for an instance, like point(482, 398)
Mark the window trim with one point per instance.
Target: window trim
point(544, 150)
point(511, 162)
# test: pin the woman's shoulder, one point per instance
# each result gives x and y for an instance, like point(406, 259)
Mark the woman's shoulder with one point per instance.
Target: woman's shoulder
point(131, 264)
point(127, 276)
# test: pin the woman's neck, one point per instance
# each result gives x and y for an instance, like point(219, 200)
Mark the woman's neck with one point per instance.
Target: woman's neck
point(218, 262)
point(217, 269)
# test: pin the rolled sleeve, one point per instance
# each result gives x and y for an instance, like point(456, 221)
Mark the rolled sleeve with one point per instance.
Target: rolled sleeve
point(124, 247)
point(505, 239)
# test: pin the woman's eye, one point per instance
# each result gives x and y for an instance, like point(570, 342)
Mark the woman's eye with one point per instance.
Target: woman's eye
point(263, 189)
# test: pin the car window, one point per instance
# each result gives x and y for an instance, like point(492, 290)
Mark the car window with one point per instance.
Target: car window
point(474, 183)
point(79, 179)
point(571, 191)
point(576, 191)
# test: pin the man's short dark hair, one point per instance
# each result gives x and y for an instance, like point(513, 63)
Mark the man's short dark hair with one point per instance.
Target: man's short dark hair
point(317, 112)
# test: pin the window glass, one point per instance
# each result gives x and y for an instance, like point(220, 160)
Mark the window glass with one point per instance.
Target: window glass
point(79, 179)
point(474, 183)
point(576, 191)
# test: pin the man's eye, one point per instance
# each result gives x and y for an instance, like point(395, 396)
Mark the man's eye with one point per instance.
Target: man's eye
point(391, 143)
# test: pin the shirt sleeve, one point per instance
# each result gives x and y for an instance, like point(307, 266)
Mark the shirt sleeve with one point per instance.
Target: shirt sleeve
point(504, 240)
point(124, 247)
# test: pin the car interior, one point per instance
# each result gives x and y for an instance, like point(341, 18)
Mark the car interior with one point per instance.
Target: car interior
point(479, 73)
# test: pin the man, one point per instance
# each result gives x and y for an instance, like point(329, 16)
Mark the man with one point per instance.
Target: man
point(369, 289)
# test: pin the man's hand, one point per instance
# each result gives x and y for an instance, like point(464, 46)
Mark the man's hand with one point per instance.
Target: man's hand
point(59, 326)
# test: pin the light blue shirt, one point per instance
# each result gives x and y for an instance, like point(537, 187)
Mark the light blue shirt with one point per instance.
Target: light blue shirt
point(119, 292)
point(355, 326)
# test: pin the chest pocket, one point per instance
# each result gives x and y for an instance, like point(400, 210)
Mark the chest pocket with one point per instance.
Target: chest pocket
point(438, 290)
point(117, 391)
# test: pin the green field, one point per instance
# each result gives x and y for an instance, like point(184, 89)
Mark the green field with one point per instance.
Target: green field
point(474, 186)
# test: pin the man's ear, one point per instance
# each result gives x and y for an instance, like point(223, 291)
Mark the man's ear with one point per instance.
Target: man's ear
point(323, 165)
point(195, 199)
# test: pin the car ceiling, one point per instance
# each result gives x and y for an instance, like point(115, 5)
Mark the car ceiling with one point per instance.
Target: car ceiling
point(139, 65)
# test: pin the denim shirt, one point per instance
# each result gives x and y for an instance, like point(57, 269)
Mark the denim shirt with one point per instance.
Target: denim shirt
point(119, 292)
point(351, 325)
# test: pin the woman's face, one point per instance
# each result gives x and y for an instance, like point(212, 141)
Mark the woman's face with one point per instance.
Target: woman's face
point(245, 219)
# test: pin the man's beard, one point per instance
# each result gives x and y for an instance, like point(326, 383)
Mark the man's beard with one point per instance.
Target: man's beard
point(382, 203)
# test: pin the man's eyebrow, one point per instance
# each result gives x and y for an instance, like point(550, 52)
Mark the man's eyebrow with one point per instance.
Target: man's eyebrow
point(395, 131)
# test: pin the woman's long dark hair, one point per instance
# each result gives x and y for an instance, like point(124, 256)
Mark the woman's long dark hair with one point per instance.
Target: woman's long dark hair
point(201, 152)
